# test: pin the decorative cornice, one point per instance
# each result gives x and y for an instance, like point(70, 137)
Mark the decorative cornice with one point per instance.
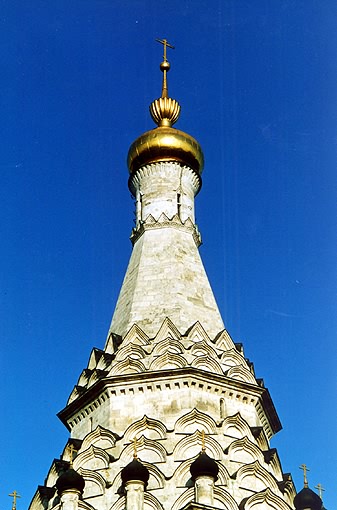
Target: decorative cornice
point(163, 379)
point(150, 223)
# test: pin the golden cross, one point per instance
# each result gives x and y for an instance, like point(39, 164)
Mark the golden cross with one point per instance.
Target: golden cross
point(203, 446)
point(71, 452)
point(305, 470)
point(165, 44)
point(14, 495)
point(320, 490)
point(135, 448)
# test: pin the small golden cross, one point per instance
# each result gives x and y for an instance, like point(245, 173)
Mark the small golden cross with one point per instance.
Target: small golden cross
point(14, 495)
point(305, 470)
point(320, 490)
point(71, 453)
point(165, 44)
point(203, 446)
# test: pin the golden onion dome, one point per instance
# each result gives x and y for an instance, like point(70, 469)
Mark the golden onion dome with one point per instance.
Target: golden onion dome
point(165, 143)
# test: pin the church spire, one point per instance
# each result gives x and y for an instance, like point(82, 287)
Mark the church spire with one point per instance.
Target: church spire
point(165, 277)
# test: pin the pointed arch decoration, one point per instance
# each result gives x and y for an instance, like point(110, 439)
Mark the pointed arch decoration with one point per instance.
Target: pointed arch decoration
point(256, 477)
point(127, 366)
point(197, 333)
point(148, 450)
point(260, 438)
point(232, 358)
point(222, 499)
point(94, 358)
point(84, 377)
point(236, 426)
point(186, 497)
point(133, 351)
point(190, 446)
point(95, 484)
point(156, 479)
point(83, 505)
point(241, 373)
point(244, 451)
point(265, 500)
point(167, 330)
point(104, 361)
point(93, 458)
point(208, 364)
point(95, 376)
point(224, 341)
point(77, 391)
point(135, 335)
point(150, 503)
point(100, 437)
point(274, 464)
point(202, 348)
point(195, 420)
point(168, 345)
point(167, 361)
point(148, 427)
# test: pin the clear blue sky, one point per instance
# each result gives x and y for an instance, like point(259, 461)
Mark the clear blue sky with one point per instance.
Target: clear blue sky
point(257, 85)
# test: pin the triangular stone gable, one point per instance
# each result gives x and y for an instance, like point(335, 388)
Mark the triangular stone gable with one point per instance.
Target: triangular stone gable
point(224, 341)
point(135, 335)
point(197, 333)
point(167, 330)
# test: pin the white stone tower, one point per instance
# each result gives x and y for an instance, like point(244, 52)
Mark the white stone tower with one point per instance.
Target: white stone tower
point(170, 414)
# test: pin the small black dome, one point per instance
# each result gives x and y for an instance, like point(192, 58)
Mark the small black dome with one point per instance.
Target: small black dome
point(204, 466)
point(70, 480)
point(135, 471)
point(306, 499)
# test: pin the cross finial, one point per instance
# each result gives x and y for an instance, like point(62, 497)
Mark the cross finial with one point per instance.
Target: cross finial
point(166, 45)
point(165, 66)
point(305, 470)
point(203, 446)
point(135, 448)
point(71, 453)
point(14, 495)
point(320, 490)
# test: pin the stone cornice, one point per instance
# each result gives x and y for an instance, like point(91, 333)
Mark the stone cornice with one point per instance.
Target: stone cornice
point(186, 377)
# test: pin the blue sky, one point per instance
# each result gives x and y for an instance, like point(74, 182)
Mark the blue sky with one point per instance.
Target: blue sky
point(256, 82)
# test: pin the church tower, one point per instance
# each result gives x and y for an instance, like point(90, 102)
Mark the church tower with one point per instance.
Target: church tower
point(170, 415)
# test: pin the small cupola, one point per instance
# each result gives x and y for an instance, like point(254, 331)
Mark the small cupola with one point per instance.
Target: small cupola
point(307, 499)
point(204, 471)
point(204, 466)
point(70, 480)
point(135, 471)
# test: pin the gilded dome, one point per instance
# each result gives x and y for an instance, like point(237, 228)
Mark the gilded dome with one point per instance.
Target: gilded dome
point(165, 143)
